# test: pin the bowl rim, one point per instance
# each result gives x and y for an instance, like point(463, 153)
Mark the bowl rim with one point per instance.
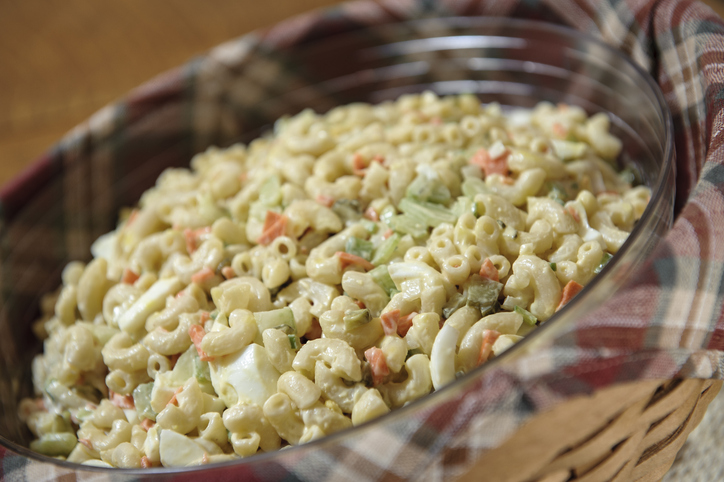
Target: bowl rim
point(475, 375)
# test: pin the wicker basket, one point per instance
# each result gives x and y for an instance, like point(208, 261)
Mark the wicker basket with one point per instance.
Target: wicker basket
point(630, 432)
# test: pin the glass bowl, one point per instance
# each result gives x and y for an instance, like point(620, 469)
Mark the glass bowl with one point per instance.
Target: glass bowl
point(234, 95)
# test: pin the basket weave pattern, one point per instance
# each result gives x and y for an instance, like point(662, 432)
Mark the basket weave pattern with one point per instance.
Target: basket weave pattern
point(630, 432)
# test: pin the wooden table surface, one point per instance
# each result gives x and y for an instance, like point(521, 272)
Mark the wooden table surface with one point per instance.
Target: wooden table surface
point(61, 60)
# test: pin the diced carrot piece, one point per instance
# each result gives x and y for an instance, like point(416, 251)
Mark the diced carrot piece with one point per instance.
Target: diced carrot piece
point(559, 130)
point(314, 331)
point(129, 277)
point(436, 121)
point(272, 217)
point(361, 304)
point(569, 291)
point(379, 158)
point(121, 401)
point(371, 214)
point(378, 364)
point(132, 217)
point(147, 424)
point(486, 347)
point(347, 259)
point(204, 317)
point(275, 225)
point(489, 165)
point(405, 323)
point(387, 233)
point(358, 165)
point(86, 442)
point(174, 400)
point(146, 462)
point(197, 333)
point(389, 322)
point(488, 270)
point(202, 275)
point(228, 272)
point(325, 200)
point(190, 238)
point(574, 214)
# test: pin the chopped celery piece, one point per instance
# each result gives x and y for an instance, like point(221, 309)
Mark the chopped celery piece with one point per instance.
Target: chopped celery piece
point(478, 209)
point(462, 206)
point(214, 314)
point(359, 247)
point(425, 189)
point(430, 214)
point(478, 292)
point(528, 317)
point(356, 318)
point(270, 193)
point(472, 186)
point(84, 414)
point(384, 251)
point(408, 225)
point(557, 194)
point(288, 330)
point(628, 175)
point(348, 210)
point(604, 261)
point(388, 212)
point(482, 293)
point(202, 372)
point(274, 318)
point(370, 226)
point(208, 209)
point(456, 301)
point(293, 341)
point(554, 267)
point(55, 444)
point(142, 401)
point(258, 211)
point(382, 277)
point(49, 422)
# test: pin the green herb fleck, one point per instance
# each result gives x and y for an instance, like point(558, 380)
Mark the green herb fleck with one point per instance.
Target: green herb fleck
point(604, 261)
point(528, 317)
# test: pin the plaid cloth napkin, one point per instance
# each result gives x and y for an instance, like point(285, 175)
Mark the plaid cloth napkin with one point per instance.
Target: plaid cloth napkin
point(667, 322)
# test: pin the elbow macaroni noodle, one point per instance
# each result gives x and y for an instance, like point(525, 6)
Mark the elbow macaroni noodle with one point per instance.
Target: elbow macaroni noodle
point(322, 276)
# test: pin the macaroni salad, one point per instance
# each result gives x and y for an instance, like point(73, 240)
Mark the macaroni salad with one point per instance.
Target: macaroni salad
point(339, 268)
